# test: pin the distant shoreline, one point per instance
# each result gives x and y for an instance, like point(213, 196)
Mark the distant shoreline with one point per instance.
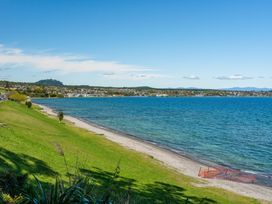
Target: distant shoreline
point(180, 163)
point(55, 88)
point(154, 97)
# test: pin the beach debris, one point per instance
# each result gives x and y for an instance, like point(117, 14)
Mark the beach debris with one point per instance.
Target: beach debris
point(220, 172)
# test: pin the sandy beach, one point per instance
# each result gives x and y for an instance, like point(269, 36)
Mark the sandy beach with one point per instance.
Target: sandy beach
point(172, 160)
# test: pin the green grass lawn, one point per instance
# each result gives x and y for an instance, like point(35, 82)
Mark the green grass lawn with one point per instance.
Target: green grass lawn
point(28, 144)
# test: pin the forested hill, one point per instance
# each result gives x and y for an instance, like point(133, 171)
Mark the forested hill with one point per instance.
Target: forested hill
point(49, 82)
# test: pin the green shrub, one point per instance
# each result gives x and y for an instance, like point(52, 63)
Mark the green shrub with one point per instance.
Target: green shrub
point(15, 96)
point(28, 104)
point(60, 116)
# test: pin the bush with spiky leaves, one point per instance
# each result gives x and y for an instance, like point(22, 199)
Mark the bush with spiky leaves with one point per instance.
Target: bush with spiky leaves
point(80, 189)
point(12, 184)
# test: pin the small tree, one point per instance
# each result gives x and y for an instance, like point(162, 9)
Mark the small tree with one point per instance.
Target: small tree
point(28, 104)
point(60, 116)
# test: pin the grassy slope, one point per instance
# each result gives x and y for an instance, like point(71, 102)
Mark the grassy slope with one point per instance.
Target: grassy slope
point(28, 145)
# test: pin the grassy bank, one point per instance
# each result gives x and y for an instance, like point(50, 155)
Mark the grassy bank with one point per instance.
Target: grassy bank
point(29, 143)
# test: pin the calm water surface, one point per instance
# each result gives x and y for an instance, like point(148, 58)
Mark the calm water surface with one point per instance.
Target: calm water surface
point(236, 132)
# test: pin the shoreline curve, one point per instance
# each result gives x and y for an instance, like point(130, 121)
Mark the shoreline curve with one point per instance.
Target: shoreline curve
point(171, 159)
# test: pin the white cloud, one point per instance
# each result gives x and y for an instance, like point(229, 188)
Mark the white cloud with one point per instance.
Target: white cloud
point(62, 63)
point(4, 77)
point(148, 76)
point(234, 77)
point(5, 68)
point(50, 71)
point(9, 51)
point(191, 77)
point(135, 76)
point(108, 73)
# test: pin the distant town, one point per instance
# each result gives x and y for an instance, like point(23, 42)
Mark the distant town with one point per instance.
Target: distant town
point(53, 88)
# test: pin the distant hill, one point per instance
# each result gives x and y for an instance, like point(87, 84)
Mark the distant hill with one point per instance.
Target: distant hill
point(143, 87)
point(190, 88)
point(49, 82)
point(247, 89)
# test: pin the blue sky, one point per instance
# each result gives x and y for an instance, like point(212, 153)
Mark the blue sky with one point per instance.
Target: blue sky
point(170, 43)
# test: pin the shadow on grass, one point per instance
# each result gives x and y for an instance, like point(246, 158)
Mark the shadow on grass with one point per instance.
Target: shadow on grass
point(18, 163)
point(127, 188)
point(106, 186)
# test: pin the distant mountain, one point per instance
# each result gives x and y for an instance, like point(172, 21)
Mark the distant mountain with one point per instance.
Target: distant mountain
point(49, 82)
point(190, 88)
point(247, 89)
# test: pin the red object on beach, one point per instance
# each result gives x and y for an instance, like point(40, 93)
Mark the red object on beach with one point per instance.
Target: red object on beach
point(208, 173)
point(226, 174)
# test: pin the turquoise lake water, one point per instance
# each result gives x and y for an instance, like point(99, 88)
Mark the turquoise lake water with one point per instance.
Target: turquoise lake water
point(235, 132)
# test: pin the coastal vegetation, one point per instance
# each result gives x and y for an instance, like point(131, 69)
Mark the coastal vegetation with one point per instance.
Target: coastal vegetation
point(47, 155)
